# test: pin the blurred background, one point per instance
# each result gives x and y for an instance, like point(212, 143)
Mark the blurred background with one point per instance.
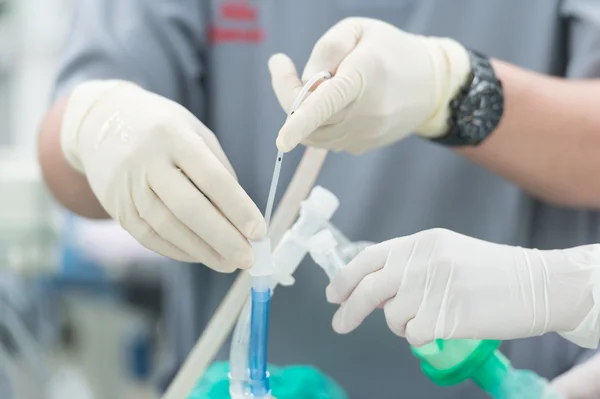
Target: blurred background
point(74, 322)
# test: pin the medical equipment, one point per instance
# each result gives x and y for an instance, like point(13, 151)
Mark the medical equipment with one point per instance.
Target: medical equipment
point(23, 341)
point(315, 211)
point(231, 306)
point(291, 382)
point(261, 272)
point(260, 300)
point(451, 362)
point(29, 223)
point(476, 360)
point(258, 377)
point(222, 322)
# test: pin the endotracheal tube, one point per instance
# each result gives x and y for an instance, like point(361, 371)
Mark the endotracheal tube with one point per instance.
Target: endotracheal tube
point(262, 272)
point(259, 319)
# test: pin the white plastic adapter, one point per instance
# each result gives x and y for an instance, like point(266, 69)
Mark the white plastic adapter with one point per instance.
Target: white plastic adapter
point(263, 259)
point(322, 201)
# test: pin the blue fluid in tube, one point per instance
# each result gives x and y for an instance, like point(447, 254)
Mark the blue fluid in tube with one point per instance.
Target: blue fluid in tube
point(259, 328)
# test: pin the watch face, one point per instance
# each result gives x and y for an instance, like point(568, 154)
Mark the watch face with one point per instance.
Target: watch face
point(477, 109)
point(480, 111)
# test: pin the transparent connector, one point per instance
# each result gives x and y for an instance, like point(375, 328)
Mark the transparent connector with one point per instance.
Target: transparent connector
point(524, 384)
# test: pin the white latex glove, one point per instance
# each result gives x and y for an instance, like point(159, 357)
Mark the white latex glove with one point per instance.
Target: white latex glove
point(580, 382)
point(441, 284)
point(161, 173)
point(387, 84)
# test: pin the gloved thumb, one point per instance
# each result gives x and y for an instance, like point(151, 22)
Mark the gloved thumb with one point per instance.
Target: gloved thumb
point(417, 334)
point(333, 47)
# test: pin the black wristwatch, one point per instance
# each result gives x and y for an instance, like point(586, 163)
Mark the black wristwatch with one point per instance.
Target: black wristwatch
point(477, 109)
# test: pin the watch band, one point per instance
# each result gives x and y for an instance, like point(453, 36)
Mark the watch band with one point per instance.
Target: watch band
point(477, 108)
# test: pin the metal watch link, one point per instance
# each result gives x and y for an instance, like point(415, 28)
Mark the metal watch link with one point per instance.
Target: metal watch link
point(476, 110)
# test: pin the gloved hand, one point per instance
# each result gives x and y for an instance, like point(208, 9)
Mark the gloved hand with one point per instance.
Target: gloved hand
point(580, 382)
point(441, 284)
point(161, 173)
point(387, 84)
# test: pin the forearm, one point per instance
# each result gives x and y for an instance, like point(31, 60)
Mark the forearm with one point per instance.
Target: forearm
point(69, 187)
point(548, 139)
point(581, 382)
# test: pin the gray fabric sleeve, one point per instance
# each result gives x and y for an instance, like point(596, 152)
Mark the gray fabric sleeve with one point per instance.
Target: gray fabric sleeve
point(582, 19)
point(584, 355)
point(157, 44)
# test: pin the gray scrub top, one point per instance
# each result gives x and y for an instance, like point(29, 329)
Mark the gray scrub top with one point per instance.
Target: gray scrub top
point(211, 56)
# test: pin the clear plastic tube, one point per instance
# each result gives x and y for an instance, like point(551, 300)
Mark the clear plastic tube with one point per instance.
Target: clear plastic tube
point(279, 160)
point(306, 89)
point(238, 355)
point(332, 250)
point(524, 384)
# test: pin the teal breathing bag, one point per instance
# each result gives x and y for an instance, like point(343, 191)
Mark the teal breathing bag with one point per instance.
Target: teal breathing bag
point(292, 382)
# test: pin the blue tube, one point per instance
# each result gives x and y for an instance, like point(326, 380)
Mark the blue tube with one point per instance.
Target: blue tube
point(259, 329)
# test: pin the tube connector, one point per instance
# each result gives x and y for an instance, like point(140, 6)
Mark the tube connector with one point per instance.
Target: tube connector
point(315, 211)
point(322, 247)
point(321, 202)
point(263, 259)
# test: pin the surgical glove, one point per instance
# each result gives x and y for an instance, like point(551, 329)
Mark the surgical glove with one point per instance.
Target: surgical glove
point(387, 84)
point(441, 284)
point(161, 173)
point(580, 382)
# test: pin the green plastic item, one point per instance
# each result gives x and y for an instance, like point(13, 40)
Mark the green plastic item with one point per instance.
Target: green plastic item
point(451, 362)
point(290, 382)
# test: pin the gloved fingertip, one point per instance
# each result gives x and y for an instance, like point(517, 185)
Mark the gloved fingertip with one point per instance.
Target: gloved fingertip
point(274, 59)
point(332, 295)
point(278, 58)
point(227, 269)
point(417, 342)
point(338, 323)
point(256, 230)
point(282, 67)
point(223, 266)
point(284, 145)
point(243, 259)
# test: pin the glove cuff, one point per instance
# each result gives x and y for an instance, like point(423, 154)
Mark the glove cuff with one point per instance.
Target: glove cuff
point(587, 333)
point(80, 103)
point(580, 292)
point(452, 68)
